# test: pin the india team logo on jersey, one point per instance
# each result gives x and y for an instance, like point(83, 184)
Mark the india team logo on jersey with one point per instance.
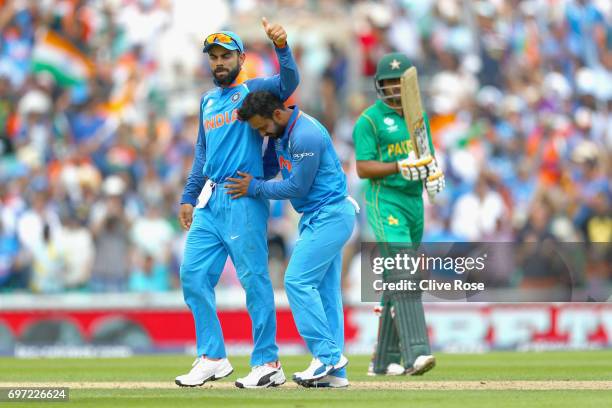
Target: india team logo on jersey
point(220, 119)
point(235, 96)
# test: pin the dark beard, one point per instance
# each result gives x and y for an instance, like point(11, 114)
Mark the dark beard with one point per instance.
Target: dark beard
point(229, 78)
point(278, 131)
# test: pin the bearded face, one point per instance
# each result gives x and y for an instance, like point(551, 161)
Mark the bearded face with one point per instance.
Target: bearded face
point(267, 127)
point(224, 76)
point(389, 91)
point(224, 64)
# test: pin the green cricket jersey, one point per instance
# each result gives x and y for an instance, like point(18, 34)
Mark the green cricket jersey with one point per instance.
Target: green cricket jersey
point(380, 134)
point(394, 205)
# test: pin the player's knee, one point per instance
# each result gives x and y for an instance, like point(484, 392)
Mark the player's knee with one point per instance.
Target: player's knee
point(184, 274)
point(290, 282)
point(189, 283)
point(294, 283)
point(194, 293)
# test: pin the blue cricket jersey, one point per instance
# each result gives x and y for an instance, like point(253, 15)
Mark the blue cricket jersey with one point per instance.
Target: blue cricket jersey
point(312, 174)
point(227, 145)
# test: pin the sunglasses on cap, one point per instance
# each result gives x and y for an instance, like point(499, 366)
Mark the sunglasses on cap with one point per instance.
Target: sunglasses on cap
point(220, 38)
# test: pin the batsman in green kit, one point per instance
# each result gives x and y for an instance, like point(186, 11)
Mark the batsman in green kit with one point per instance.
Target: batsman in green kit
point(386, 158)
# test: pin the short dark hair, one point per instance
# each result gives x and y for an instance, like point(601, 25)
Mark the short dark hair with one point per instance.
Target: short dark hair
point(262, 103)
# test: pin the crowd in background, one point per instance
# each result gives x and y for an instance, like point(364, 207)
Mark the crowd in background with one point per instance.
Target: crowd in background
point(519, 94)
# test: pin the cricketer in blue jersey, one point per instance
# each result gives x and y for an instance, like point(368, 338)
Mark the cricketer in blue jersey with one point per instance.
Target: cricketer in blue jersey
point(219, 226)
point(315, 184)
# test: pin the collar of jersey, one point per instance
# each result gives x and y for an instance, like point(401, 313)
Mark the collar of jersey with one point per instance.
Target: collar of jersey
point(385, 108)
point(240, 79)
point(291, 123)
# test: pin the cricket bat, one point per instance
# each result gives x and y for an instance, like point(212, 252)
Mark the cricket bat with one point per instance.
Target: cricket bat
point(413, 114)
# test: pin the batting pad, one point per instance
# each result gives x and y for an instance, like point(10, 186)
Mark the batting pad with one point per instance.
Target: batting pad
point(410, 324)
point(387, 346)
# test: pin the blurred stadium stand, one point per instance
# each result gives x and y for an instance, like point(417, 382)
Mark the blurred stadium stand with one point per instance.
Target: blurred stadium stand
point(98, 117)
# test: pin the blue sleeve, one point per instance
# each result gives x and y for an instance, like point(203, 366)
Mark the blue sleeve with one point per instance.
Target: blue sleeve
point(283, 84)
point(196, 179)
point(305, 159)
point(270, 161)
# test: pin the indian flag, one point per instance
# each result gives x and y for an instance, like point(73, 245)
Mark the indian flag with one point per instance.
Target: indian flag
point(55, 54)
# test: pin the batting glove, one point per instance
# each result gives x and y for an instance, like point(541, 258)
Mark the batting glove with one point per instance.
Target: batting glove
point(414, 169)
point(435, 183)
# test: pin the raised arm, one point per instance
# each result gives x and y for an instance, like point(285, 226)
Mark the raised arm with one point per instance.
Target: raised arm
point(283, 84)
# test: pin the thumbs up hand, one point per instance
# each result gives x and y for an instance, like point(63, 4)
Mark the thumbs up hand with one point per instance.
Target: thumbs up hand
point(275, 32)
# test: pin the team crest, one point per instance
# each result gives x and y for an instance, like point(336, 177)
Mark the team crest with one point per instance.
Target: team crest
point(391, 125)
point(392, 220)
point(235, 96)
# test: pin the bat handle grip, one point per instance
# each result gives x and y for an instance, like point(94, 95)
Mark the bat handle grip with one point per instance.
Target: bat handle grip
point(431, 197)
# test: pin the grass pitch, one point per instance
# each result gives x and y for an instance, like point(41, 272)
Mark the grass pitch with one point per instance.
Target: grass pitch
point(559, 379)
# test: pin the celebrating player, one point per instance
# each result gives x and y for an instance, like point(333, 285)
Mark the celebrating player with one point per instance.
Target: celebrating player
point(385, 156)
point(220, 225)
point(314, 182)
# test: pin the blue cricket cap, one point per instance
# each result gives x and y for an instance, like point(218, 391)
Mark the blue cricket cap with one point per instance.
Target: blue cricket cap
point(235, 43)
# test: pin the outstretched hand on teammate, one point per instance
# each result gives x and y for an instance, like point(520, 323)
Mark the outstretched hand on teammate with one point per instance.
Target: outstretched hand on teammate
point(240, 186)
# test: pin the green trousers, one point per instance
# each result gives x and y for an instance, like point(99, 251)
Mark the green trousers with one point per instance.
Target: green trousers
point(397, 221)
point(394, 216)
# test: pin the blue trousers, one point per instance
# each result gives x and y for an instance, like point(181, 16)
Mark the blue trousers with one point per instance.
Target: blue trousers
point(237, 228)
point(313, 279)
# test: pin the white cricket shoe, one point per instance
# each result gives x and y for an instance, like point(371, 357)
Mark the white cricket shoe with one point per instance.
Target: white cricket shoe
point(317, 370)
point(204, 370)
point(298, 375)
point(421, 365)
point(392, 370)
point(263, 376)
point(329, 381)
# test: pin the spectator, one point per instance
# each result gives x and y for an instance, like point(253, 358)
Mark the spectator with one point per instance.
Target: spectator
point(33, 223)
point(477, 213)
point(111, 262)
point(49, 264)
point(598, 225)
point(152, 234)
point(9, 256)
point(87, 124)
point(517, 92)
point(77, 244)
point(34, 136)
point(541, 265)
point(151, 276)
